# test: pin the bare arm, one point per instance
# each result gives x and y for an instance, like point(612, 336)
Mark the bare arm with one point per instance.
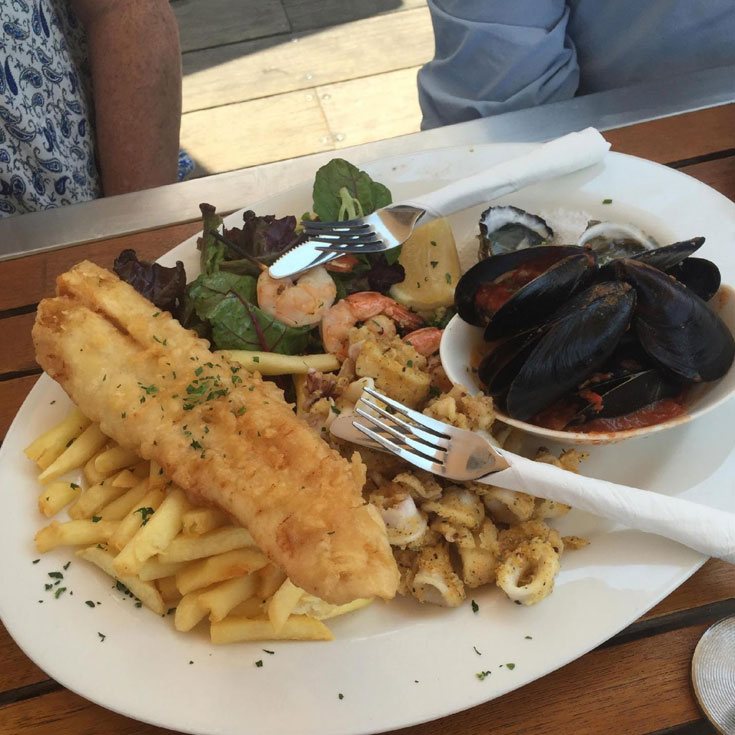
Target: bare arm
point(136, 76)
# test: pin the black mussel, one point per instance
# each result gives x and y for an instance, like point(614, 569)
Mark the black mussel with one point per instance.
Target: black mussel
point(700, 275)
point(583, 335)
point(535, 302)
point(506, 229)
point(675, 327)
point(668, 256)
point(499, 367)
point(611, 240)
point(625, 394)
point(495, 280)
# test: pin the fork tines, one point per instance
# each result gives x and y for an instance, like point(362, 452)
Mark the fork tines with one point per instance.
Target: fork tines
point(423, 446)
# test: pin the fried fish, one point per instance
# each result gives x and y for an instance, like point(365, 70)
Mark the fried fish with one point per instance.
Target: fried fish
point(224, 435)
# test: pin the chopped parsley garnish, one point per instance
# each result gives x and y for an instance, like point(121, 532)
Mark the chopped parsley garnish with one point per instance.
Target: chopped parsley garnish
point(448, 277)
point(409, 363)
point(241, 410)
point(433, 243)
point(340, 696)
point(528, 637)
point(265, 650)
point(474, 648)
point(74, 486)
point(335, 410)
point(510, 666)
point(199, 371)
point(89, 603)
point(160, 341)
point(145, 514)
point(59, 592)
point(96, 519)
point(475, 606)
point(56, 575)
point(434, 392)
point(195, 444)
point(66, 566)
point(123, 415)
point(102, 636)
point(156, 314)
point(256, 358)
point(482, 675)
point(35, 561)
point(69, 443)
point(607, 201)
point(259, 663)
point(434, 263)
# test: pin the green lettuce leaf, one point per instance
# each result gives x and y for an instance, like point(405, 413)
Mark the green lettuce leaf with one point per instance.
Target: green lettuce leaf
point(206, 292)
point(343, 191)
point(212, 251)
point(239, 325)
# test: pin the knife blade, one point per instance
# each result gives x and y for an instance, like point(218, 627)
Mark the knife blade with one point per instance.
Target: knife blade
point(297, 260)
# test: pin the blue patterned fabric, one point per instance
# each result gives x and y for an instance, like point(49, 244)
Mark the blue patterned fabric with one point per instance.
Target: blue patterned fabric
point(47, 147)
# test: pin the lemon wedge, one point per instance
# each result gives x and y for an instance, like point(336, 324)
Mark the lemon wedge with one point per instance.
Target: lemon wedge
point(430, 260)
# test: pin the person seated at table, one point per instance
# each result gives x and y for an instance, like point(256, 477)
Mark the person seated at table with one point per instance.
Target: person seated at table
point(494, 56)
point(90, 100)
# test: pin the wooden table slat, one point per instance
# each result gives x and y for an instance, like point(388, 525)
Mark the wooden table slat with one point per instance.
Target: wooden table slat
point(12, 394)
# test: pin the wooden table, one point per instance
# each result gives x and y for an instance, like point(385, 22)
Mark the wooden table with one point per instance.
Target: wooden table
point(636, 683)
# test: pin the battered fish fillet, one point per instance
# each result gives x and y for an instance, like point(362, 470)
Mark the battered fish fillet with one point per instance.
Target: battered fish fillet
point(224, 435)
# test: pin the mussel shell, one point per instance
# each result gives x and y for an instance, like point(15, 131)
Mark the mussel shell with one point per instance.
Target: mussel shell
point(700, 275)
point(498, 368)
point(675, 326)
point(668, 256)
point(585, 332)
point(628, 393)
point(490, 269)
point(533, 303)
point(504, 229)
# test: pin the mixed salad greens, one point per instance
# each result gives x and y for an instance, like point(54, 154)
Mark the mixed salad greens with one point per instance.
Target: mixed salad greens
point(221, 303)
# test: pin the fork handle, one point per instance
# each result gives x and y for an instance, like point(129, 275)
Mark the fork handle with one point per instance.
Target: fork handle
point(558, 157)
point(704, 529)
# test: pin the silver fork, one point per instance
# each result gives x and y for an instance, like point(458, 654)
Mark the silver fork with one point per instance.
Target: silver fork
point(391, 226)
point(461, 455)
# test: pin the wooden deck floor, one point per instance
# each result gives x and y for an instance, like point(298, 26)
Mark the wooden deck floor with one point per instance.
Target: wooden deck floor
point(266, 80)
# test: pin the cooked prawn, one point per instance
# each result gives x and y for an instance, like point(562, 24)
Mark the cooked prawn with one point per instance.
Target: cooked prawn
point(425, 340)
point(297, 302)
point(358, 307)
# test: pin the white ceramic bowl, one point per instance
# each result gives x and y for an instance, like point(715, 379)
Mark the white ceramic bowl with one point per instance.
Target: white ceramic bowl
point(461, 340)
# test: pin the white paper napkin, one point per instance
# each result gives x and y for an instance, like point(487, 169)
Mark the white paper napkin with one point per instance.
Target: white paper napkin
point(564, 155)
point(699, 527)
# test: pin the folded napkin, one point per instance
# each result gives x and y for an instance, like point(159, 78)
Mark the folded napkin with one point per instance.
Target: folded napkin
point(557, 157)
point(699, 527)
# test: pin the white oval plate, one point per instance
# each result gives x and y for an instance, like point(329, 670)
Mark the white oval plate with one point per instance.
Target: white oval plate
point(395, 664)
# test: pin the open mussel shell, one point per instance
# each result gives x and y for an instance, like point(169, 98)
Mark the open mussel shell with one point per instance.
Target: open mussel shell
point(668, 256)
point(498, 368)
point(515, 270)
point(533, 303)
point(504, 229)
point(611, 240)
point(627, 393)
point(700, 275)
point(584, 333)
point(675, 327)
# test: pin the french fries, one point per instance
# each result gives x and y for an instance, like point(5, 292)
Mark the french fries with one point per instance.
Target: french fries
point(141, 530)
point(218, 568)
point(296, 628)
point(82, 449)
point(49, 446)
point(73, 533)
point(56, 496)
point(154, 535)
point(146, 592)
point(187, 548)
point(272, 363)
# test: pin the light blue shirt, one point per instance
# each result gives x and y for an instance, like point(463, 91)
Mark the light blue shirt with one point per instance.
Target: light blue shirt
point(495, 56)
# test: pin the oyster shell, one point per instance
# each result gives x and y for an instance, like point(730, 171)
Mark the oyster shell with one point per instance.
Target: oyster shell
point(504, 229)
